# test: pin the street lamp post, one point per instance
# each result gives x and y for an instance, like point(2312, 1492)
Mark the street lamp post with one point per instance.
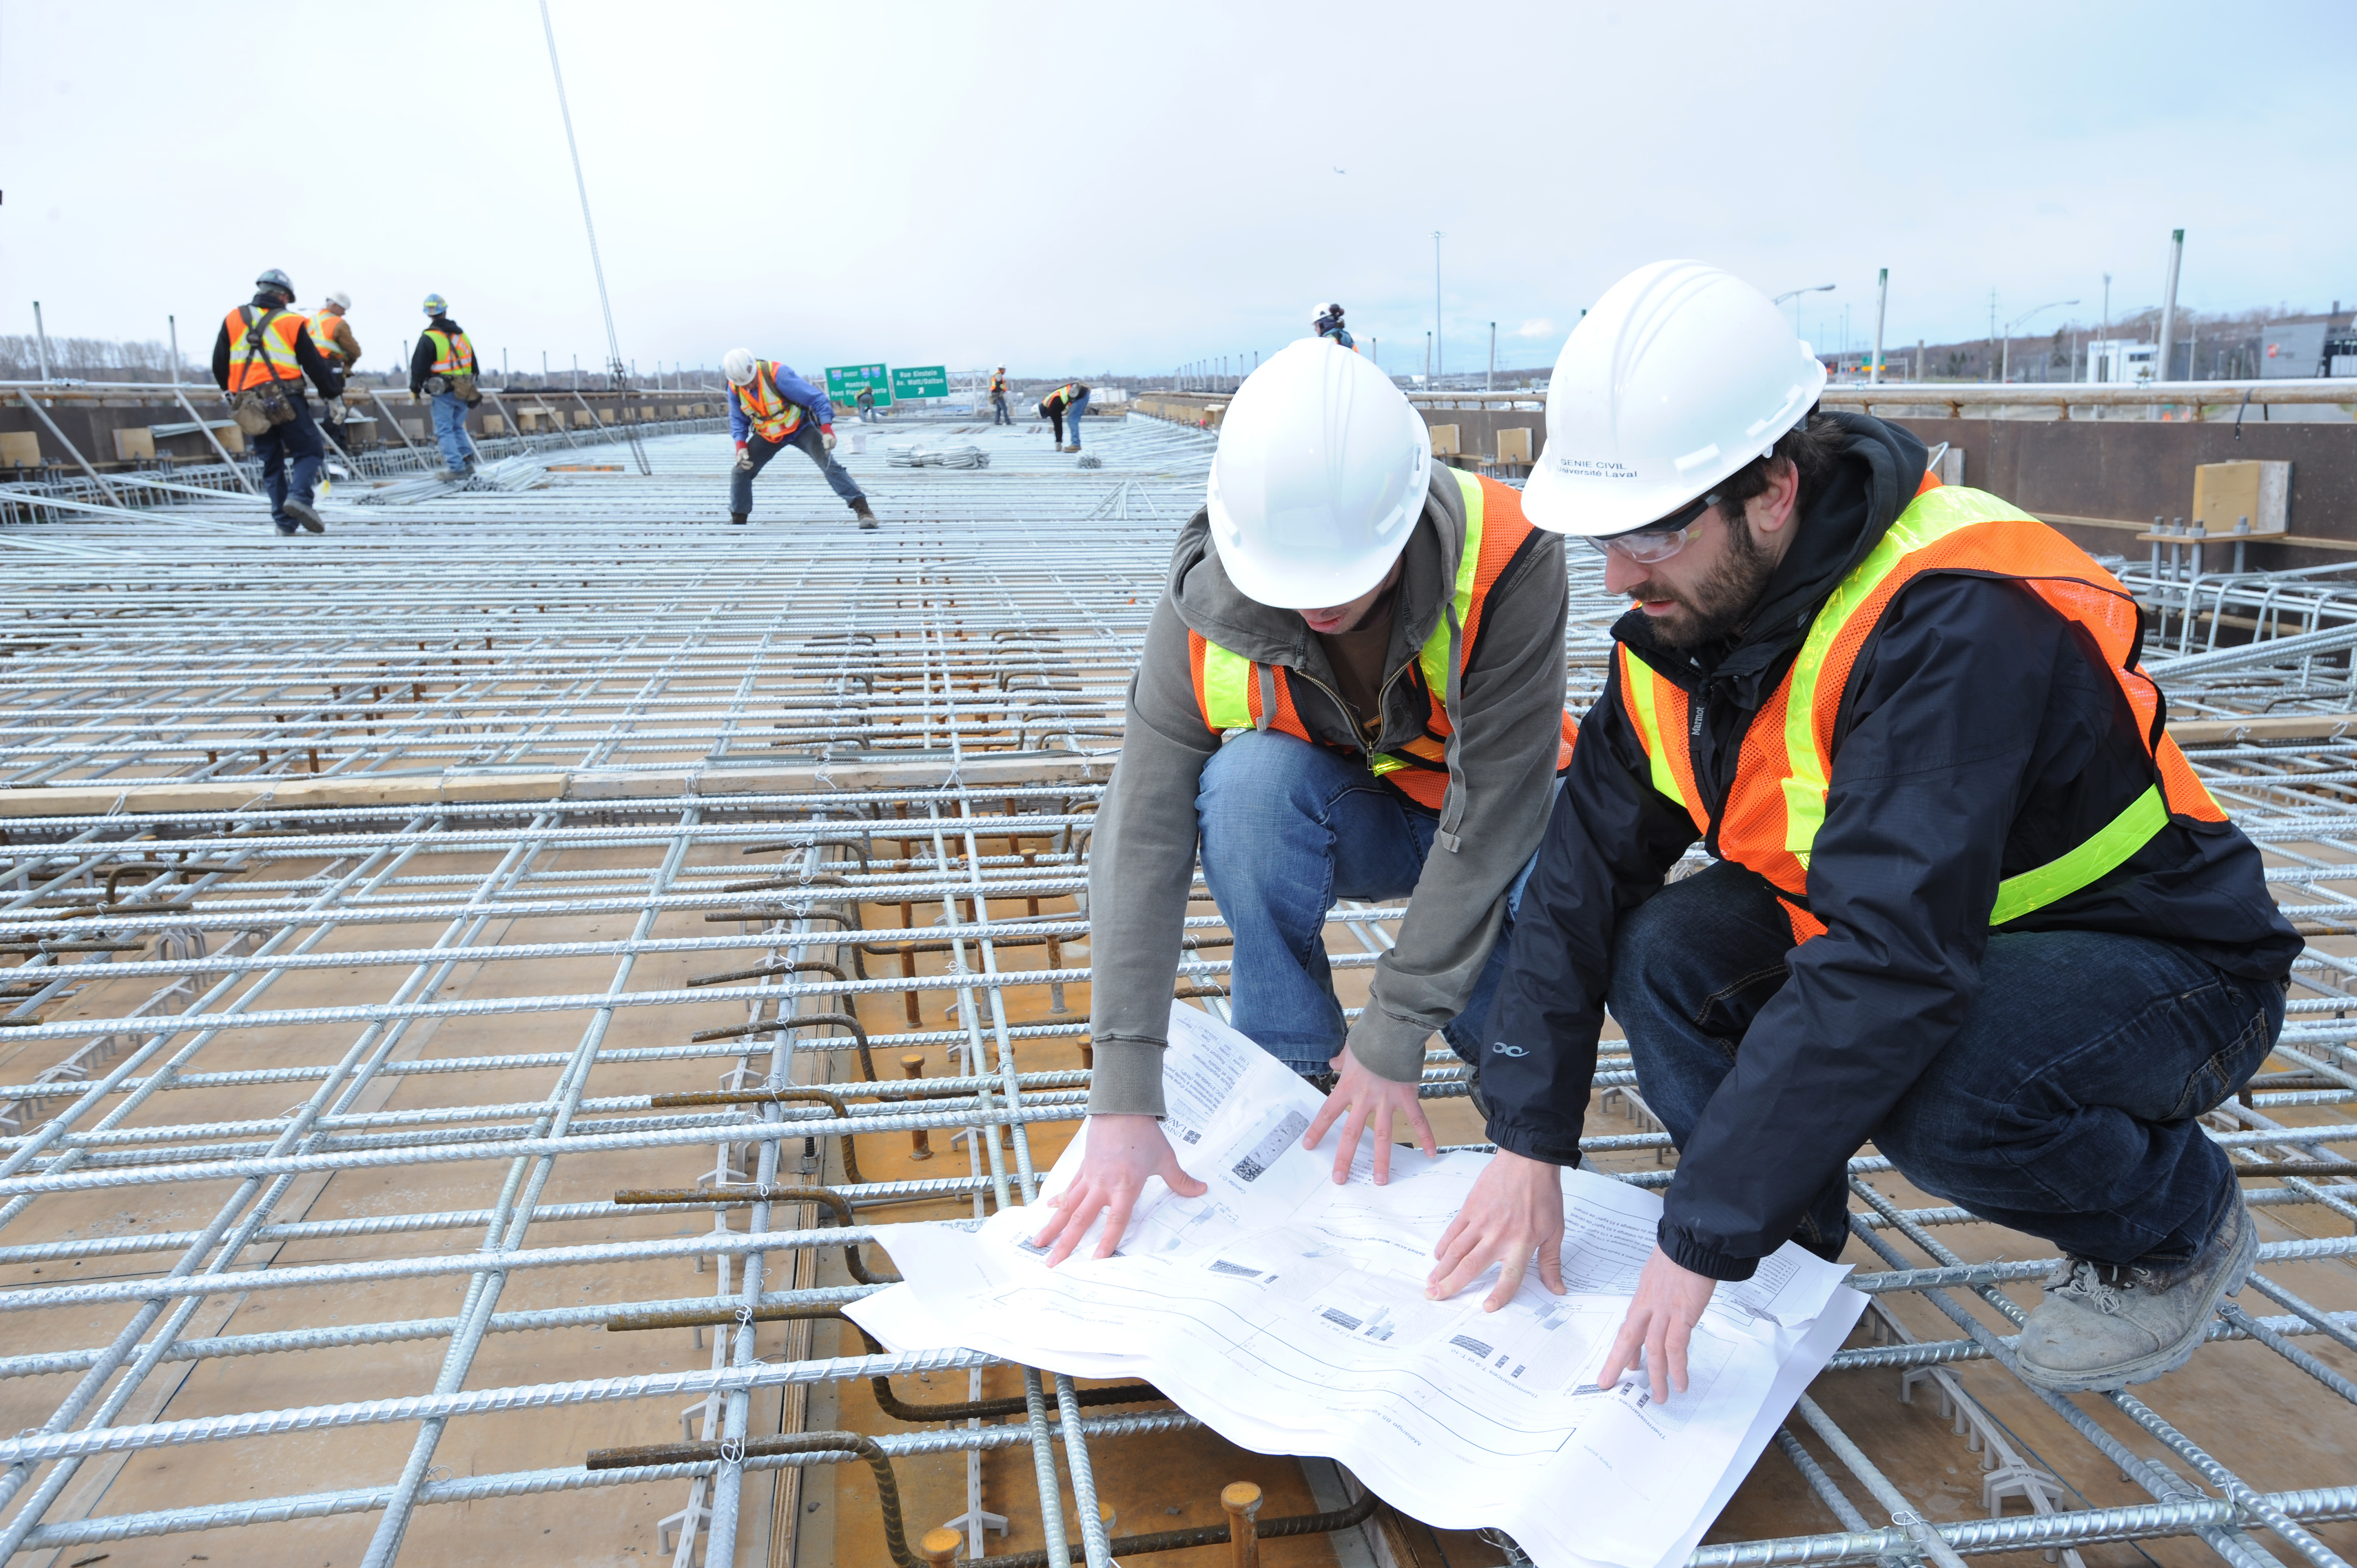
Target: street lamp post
point(2005, 370)
point(1435, 310)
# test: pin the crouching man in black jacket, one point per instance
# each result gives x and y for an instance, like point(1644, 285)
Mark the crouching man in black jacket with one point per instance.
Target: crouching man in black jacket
point(1967, 899)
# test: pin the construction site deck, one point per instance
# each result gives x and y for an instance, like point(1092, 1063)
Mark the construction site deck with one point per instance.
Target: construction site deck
point(477, 978)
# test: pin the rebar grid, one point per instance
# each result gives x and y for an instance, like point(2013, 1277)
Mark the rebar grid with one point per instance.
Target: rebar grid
point(792, 801)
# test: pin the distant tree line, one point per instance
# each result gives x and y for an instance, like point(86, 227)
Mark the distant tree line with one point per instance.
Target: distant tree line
point(90, 359)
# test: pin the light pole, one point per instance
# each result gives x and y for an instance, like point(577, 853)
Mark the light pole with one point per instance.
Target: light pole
point(2005, 371)
point(1436, 372)
point(1795, 293)
point(1881, 310)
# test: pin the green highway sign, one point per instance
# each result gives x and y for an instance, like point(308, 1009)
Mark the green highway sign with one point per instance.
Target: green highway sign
point(924, 381)
point(844, 382)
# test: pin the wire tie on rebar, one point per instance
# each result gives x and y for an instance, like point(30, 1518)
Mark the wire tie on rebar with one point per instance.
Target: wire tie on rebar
point(732, 1451)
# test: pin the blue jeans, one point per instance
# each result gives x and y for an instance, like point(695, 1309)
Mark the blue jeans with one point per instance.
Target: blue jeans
point(998, 414)
point(2064, 1106)
point(295, 444)
point(813, 444)
point(1287, 828)
point(1080, 406)
point(450, 430)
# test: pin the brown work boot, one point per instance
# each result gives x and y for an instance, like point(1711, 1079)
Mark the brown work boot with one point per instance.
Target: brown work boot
point(859, 510)
point(738, 516)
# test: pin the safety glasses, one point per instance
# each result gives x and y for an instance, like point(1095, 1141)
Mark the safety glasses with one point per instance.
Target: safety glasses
point(1659, 540)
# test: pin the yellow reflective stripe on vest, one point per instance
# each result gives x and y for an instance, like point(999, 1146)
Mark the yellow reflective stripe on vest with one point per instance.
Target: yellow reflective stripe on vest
point(1931, 516)
point(1643, 696)
point(1227, 689)
point(2109, 849)
point(1434, 655)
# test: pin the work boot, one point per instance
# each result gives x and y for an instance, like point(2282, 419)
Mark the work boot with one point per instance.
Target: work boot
point(739, 517)
point(287, 530)
point(2103, 1326)
point(301, 513)
point(859, 510)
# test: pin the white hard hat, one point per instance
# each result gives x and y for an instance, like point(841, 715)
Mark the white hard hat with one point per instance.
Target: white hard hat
point(737, 366)
point(1320, 474)
point(1679, 376)
point(341, 300)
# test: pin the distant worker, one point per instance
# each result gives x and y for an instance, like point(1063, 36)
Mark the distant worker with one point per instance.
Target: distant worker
point(332, 335)
point(866, 401)
point(770, 409)
point(260, 358)
point(998, 414)
point(1330, 325)
point(1071, 398)
point(1966, 899)
point(1351, 688)
point(444, 369)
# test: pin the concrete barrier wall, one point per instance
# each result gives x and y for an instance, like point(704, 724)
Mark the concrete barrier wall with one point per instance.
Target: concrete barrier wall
point(2127, 472)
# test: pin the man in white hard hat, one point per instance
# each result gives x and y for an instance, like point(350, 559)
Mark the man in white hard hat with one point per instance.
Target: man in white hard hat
point(1352, 688)
point(770, 409)
point(998, 414)
point(332, 335)
point(1968, 900)
point(1070, 399)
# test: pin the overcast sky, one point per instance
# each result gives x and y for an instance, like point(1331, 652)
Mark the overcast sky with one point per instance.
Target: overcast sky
point(1124, 186)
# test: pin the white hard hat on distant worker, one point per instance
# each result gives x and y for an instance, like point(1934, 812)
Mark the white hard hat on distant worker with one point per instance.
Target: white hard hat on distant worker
point(1320, 474)
point(341, 300)
point(1679, 376)
point(737, 366)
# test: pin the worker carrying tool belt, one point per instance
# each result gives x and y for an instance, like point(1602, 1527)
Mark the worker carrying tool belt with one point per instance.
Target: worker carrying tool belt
point(443, 369)
point(769, 409)
point(1352, 689)
point(1967, 899)
point(261, 356)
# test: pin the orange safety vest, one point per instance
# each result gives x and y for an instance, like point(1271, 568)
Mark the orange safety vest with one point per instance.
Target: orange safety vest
point(273, 361)
point(323, 337)
point(774, 415)
point(1769, 818)
point(1062, 396)
point(997, 385)
point(1229, 687)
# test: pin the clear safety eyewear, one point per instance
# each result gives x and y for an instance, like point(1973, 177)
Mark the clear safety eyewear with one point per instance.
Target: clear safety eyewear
point(1659, 540)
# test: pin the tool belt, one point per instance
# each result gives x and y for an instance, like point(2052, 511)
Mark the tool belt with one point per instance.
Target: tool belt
point(259, 410)
point(463, 388)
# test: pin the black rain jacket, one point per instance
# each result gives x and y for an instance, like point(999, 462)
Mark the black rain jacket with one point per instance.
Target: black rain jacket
point(1981, 735)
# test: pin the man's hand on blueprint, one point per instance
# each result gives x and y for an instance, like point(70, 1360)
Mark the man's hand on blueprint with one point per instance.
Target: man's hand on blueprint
point(1514, 1209)
point(1123, 1153)
point(1367, 1097)
point(1669, 1302)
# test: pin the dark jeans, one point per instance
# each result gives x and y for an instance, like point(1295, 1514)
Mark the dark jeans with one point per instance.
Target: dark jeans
point(1287, 828)
point(998, 414)
point(294, 443)
point(813, 446)
point(2064, 1106)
